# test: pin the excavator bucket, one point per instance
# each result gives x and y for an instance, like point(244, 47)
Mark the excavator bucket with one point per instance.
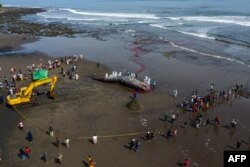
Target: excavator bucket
point(51, 95)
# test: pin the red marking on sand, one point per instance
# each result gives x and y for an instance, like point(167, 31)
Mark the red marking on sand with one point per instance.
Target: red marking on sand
point(136, 49)
point(141, 65)
point(144, 91)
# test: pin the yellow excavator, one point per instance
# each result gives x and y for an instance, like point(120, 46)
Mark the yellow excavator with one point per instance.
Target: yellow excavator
point(25, 93)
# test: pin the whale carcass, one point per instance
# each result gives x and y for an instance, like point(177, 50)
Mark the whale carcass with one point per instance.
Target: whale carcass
point(128, 80)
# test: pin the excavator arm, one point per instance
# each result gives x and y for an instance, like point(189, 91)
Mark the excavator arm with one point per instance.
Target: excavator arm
point(24, 96)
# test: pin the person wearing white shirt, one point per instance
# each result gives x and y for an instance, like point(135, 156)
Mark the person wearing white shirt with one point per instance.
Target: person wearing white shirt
point(66, 141)
point(94, 139)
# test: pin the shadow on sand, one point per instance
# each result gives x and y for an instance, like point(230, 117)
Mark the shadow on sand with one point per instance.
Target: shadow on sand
point(231, 147)
point(85, 163)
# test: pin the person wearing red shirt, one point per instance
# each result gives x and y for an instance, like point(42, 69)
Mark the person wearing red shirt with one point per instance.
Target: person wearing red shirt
point(27, 151)
point(186, 163)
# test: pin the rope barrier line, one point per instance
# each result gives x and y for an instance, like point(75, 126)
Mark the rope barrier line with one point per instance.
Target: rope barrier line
point(30, 121)
point(120, 135)
point(83, 137)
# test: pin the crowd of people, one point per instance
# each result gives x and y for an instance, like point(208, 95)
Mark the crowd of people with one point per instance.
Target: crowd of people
point(135, 144)
point(113, 74)
point(197, 103)
point(17, 75)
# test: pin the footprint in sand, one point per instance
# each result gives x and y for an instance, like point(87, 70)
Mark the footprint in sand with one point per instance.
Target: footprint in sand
point(195, 164)
point(143, 122)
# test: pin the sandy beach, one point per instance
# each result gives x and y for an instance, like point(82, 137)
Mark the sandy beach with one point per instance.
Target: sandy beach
point(86, 107)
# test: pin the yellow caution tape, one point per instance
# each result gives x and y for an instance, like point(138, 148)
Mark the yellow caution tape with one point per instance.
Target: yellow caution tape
point(84, 137)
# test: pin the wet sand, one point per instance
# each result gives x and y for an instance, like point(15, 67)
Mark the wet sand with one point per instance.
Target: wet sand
point(85, 107)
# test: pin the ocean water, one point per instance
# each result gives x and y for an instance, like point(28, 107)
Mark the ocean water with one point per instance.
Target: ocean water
point(221, 21)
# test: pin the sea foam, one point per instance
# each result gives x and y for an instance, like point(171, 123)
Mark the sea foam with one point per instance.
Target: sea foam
point(198, 34)
point(207, 54)
point(238, 20)
point(119, 15)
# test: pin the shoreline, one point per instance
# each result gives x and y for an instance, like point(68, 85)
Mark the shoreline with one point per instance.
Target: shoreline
point(13, 24)
point(85, 107)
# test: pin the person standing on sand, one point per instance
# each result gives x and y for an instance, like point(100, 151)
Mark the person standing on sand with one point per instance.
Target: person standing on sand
point(27, 152)
point(132, 144)
point(66, 142)
point(217, 121)
point(29, 136)
point(233, 124)
point(175, 132)
point(212, 87)
point(147, 137)
point(44, 157)
point(98, 65)
point(89, 158)
point(135, 95)
point(168, 134)
point(62, 70)
point(59, 158)
point(207, 122)
point(186, 162)
point(94, 139)
point(137, 145)
point(175, 93)
point(22, 154)
point(20, 126)
point(91, 163)
point(57, 143)
point(1, 97)
point(50, 131)
point(173, 118)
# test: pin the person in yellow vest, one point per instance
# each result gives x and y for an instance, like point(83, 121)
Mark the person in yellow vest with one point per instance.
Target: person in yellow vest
point(89, 158)
point(91, 163)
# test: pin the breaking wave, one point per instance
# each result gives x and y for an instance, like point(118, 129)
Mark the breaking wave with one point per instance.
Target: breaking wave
point(238, 20)
point(118, 15)
point(207, 54)
point(201, 35)
point(67, 18)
